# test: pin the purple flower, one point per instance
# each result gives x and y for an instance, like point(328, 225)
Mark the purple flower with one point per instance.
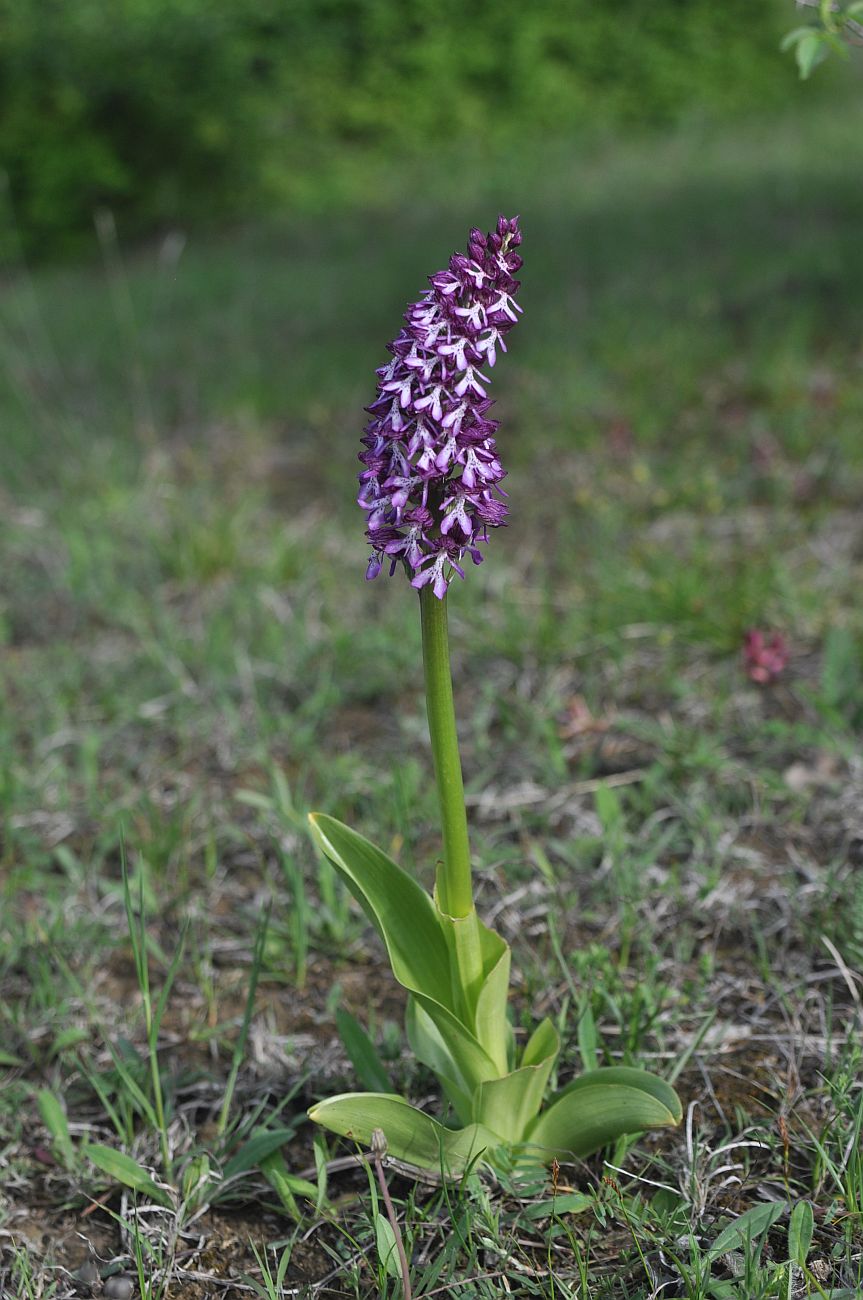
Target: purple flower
point(430, 485)
point(765, 657)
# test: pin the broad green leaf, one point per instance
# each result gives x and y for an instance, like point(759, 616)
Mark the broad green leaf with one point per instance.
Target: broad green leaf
point(748, 1227)
point(543, 1043)
point(800, 1231)
point(364, 1057)
point(487, 1002)
point(508, 1105)
point(6, 1058)
point(260, 1145)
point(54, 1119)
point(492, 1025)
point(385, 1241)
point(411, 1135)
point(416, 942)
point(400, 909)
point(123, 1169)
point(601, 1106)
point(473, 1065)
point(428, 1046)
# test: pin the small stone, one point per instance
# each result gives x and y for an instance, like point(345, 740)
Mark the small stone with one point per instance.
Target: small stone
point(87, 1276)
point(118, 1288)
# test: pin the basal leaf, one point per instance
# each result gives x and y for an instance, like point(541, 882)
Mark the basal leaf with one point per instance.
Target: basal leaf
point(401, 910)
point(472, 1062)
point(509, 1104)
point(416, 942)
point(543, 1043)
point(600, 1107)
point(492, 1025)
point(412, 1136)
point(588, 1039)
point(487, 1001)
point(429, 1046)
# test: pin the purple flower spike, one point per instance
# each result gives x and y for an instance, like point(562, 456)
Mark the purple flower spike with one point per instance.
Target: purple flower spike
point(431, 472)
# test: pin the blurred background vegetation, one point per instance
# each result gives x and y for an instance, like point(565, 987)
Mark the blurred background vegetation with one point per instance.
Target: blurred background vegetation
point(180, 110)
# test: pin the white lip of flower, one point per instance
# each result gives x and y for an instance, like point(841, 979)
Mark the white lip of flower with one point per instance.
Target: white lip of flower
point(432, 400)
point(425, 316)
point(474, 469)
point(454, 418)
point(471, 380)
point(506, 304)
point(400, 486)
point(446, 454)
point(378, 509)
point(475, 313)
point(451, 286)
point(457, 352)
point(426, 462)
point(409, 546)
point(434, 331)
point(401, 388)
point(423, 365)
point(422, 436)
point(489, 342)
point(456, 514)
point(396, 416)
point(477, 274)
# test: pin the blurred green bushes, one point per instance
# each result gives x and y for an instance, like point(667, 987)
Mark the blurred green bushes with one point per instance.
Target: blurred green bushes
point(171, 110)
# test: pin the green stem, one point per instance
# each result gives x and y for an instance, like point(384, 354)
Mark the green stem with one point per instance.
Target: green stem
point(454, 886)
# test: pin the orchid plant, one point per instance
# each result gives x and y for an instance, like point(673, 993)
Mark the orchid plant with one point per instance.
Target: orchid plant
point(431, 489)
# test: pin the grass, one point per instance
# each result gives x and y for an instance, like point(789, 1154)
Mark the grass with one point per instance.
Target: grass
point(191, 661)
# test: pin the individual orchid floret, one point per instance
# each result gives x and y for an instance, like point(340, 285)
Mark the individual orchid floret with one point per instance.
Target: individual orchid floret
point(430, 482)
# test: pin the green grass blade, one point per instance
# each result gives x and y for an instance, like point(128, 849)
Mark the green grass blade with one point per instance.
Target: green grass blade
point(364, 1057)
point(54, 1119)
point(123, 1169)
point(240, 1045)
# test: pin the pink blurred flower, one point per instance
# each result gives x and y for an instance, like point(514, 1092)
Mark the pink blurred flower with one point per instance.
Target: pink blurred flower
point(764, 656)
